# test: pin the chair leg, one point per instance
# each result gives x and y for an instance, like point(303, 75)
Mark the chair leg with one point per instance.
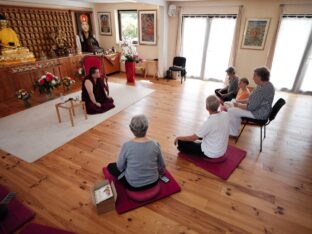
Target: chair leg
point(241, 132)
point(260, 139)
point(264, 132)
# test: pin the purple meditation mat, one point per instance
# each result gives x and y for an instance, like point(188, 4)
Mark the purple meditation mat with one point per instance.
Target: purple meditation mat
point(18, 214)
point(34, 228)
point(124, 203)
point(221, 169)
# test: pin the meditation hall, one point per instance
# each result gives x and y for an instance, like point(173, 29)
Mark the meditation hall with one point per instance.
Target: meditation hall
point(155, 116)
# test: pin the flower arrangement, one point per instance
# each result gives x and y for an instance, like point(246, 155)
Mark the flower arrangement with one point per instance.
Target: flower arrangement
point(47, 83)
point(129, 52)
point(24, 95)
point(67, 82)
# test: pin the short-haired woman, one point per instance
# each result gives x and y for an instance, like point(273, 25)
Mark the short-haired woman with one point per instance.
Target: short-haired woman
point(214, 133)
point(140, 162)
point(94, 93)
point(259, 103)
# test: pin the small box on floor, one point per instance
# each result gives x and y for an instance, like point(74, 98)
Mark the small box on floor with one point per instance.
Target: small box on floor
point(104, 196)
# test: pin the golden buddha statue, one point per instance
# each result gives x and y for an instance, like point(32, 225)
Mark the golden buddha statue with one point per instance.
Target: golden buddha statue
point(10, 47)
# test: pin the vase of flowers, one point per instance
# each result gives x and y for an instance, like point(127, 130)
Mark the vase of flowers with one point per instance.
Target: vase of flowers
point(24, 95)
point(47, 83)
point(130, 57)
point(67, 83)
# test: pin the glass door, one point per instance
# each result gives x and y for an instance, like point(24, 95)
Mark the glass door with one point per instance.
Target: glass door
point(219, 48)
point(206, 45)
point(193, 39)
point(289, 52)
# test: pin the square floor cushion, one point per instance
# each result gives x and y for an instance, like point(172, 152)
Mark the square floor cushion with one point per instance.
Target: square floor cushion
point(124, 203)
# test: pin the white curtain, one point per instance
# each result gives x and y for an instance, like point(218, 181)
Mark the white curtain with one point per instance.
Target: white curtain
point(290, 47)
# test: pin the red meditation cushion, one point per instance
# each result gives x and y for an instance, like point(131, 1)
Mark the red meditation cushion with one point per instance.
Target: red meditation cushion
point(144, 195)
point(216, 160)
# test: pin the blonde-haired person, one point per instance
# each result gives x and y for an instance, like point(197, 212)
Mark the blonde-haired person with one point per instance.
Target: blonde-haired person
point(140, 162)
point(214, 133)
point(242, 94)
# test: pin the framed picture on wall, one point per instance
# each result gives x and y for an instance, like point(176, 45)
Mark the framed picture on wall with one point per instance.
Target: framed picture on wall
point(148, 27)
point(255, 33)
point(83, 22)
point(105, 23)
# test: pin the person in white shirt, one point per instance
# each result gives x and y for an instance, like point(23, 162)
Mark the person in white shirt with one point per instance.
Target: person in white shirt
point(214, 133)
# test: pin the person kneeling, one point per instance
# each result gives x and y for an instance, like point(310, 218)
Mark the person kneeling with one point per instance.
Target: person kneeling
point(214, 133)
point(95, 93)
point(140, 162)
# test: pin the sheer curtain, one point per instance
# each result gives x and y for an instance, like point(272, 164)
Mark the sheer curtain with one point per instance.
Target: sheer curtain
point(219, 47)
point(206, 44)
point(193, 38)
point(290, 47)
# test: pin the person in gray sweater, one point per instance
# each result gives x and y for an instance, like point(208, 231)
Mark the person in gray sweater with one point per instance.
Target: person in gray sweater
point(140, 162)
point(259, 103)
point(229, 92)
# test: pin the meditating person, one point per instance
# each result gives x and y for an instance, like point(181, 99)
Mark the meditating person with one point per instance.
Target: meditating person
point(242, 95)
point(94, 93)
point(214, 133)
point(259, 103)
point(140, 162)
point(230, 91)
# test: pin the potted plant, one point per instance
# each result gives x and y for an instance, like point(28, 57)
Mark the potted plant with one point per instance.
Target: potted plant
point(67, 83)
point(24, 95)
point(47, 83)
point(130, 56)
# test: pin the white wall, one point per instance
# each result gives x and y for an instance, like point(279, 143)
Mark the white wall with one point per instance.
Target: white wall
point(247, 60)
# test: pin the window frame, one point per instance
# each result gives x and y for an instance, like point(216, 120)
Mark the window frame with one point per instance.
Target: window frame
point(119, 21)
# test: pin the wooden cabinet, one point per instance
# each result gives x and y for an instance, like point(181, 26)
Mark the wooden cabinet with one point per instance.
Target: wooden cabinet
point(111, 63)
point(23, 76)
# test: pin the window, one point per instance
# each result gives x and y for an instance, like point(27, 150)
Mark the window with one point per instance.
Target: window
point(291, 69)
point(128, 25)
point(206, 44)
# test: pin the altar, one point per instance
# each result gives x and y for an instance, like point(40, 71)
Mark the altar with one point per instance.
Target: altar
point(24, 75)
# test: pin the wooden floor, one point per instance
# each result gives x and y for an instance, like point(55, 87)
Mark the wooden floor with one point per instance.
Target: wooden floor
point(269, 192)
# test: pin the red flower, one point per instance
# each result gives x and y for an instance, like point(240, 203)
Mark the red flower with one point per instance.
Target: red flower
point(49, 76)
point(41, 82)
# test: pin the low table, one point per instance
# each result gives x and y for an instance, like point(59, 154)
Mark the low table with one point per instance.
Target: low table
point(70, 106)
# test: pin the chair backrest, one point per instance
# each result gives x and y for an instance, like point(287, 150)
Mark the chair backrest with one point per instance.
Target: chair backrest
point(93, 61)
point(276, 108)
point(179, 61)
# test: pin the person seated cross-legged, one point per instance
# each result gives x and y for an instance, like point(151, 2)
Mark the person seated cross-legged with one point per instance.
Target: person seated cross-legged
point(140, 162)
point(229, 92)
point(95, 93)
point(214, 133)
point(242, 95)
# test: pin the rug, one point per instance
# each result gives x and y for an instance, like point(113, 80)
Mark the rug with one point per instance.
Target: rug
point(35, 132)
point(124, 203)
point(222, 169)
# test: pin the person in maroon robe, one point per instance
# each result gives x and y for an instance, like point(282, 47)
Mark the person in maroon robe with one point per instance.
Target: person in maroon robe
point(94, 93)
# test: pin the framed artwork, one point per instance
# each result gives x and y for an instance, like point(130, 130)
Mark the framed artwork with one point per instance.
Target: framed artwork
point(255, 33)
point(105, 23)
point(148, 27)
point(83, 22)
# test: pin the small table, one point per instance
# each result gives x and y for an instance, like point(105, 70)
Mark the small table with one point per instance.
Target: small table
point(147, 66)
point(70, 106)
